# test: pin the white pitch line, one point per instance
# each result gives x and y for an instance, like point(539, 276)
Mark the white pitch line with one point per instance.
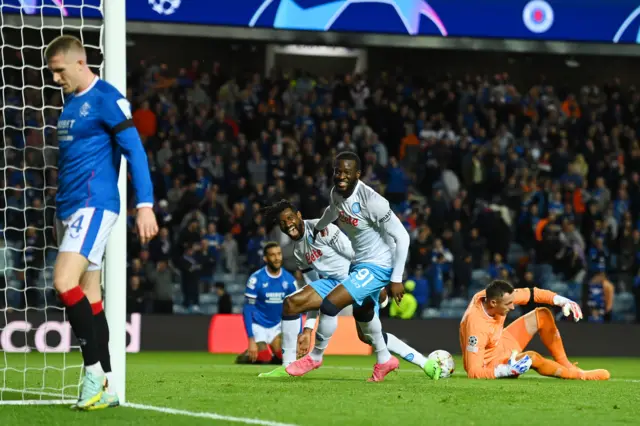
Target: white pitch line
point(37, 402)
point(203, 415)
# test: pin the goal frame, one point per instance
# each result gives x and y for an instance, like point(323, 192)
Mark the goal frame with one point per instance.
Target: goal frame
point(115, 266)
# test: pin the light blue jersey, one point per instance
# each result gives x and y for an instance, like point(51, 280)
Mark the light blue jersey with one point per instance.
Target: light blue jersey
point(94, 130)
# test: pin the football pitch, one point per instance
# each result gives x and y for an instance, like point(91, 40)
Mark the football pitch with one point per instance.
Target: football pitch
point(203, 389)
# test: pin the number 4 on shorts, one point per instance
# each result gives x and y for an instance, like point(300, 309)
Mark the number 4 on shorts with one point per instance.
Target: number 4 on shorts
point(77, 224)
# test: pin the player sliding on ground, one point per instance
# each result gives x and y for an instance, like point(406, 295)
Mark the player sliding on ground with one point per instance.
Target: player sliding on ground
point(262, 312)
point(329, 256)
point(94, 129)
point(366, 218)
point(491, 351)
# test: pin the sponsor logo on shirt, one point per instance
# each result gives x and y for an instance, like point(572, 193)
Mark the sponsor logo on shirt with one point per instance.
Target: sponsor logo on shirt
point(312, 256)
point(345, 218)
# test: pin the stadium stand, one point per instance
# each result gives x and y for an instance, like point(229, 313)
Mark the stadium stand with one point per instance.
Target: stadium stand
point(490, 179)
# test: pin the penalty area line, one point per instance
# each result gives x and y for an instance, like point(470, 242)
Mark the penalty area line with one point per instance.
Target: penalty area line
point(205, 415)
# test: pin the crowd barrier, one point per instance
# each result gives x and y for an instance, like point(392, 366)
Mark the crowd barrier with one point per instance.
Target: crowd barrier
point(225, 334)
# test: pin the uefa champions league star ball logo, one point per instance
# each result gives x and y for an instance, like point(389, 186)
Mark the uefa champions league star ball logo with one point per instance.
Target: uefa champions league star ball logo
point(291, 15)
point(165, 7)
point(538, 16)
point(629, 30)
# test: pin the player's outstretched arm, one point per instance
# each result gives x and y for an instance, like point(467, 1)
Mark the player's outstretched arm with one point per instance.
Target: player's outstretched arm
point(330, 214)
point(522, 296)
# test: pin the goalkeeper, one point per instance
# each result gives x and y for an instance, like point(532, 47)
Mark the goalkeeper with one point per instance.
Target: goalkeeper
point(94, 130)
point(491, 351)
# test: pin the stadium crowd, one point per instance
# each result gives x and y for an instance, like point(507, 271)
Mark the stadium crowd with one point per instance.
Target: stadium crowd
point(491, 180)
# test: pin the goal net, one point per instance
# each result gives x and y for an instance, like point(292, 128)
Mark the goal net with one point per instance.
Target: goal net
point(40, 360)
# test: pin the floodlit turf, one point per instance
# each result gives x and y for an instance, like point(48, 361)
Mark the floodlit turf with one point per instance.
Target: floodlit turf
point(336, 394)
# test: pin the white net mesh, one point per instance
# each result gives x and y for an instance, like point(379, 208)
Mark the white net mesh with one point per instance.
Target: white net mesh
point(40, 359)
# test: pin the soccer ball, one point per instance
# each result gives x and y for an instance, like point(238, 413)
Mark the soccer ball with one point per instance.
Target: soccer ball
point(446, 361)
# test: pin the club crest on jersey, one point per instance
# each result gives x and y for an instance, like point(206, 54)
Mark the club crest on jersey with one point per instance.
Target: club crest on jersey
point(345, 218)
point(355, 207)
point(84, 109)
point(285, 285)
point(309, 239)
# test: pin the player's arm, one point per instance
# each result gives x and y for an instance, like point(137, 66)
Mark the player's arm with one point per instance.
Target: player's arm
point(522, 296)
point(250, 297)
point(117, 118)
point(384, 217)
point(330, 214)
point(474, 343)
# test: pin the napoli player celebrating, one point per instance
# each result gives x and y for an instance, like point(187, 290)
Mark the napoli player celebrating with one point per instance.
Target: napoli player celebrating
point(328, 256)
point(366, 218)
point(94, 129)
point(262, 312)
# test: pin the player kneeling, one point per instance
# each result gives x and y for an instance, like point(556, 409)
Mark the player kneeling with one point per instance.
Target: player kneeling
point(262, 312)
point(492, 351)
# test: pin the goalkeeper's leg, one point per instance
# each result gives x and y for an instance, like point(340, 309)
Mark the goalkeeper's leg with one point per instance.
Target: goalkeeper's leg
point(68, 270)
point(550, 368)
point(90, 283)
point(540, 321)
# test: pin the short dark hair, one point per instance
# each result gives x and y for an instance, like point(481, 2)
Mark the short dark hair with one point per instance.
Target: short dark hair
point(497, 289)
point(272, 212)
point(63, 44)
point(269, 246)
point(349, 156)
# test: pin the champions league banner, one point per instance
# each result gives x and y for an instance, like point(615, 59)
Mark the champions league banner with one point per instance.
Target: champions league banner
point(602, 21)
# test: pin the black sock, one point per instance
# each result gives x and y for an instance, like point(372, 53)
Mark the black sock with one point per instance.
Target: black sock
point(101, 328)
point(80, 316)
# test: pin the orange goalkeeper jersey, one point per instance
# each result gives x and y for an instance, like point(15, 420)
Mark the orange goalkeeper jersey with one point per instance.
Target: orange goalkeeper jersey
point(483, 340)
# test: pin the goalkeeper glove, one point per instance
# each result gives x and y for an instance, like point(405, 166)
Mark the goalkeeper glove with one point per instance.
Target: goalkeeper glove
point(513, 368)
point(569, 307)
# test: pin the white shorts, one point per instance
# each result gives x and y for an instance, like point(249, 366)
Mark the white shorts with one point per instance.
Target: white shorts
point(86, 232)
point(264, 334)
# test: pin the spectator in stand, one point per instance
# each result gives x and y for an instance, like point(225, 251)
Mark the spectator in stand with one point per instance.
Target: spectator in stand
point(544, 177)
point(224, 299)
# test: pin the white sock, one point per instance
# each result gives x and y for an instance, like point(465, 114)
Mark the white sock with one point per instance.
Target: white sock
point(405, 351)
point(290, 331)
point(95, 369)
point(373, 332)
point(110, 380)
point(326, 327)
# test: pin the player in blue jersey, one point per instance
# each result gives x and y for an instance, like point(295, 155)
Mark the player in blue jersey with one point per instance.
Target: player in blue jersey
point(94, 130)
point(262, 312)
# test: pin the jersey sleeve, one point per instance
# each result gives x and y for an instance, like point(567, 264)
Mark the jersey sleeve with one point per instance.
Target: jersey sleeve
point(250, 291)
point(340, 242)
point(117, 119)
point(474, 341)
point(250, 296)
point(381, 214)
point(522, 296)
point(330, 214)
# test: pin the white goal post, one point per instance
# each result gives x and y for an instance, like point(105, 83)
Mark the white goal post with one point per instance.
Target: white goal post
point(36, 366)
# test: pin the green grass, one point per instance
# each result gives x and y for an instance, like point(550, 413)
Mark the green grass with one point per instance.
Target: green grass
point(336, 394)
